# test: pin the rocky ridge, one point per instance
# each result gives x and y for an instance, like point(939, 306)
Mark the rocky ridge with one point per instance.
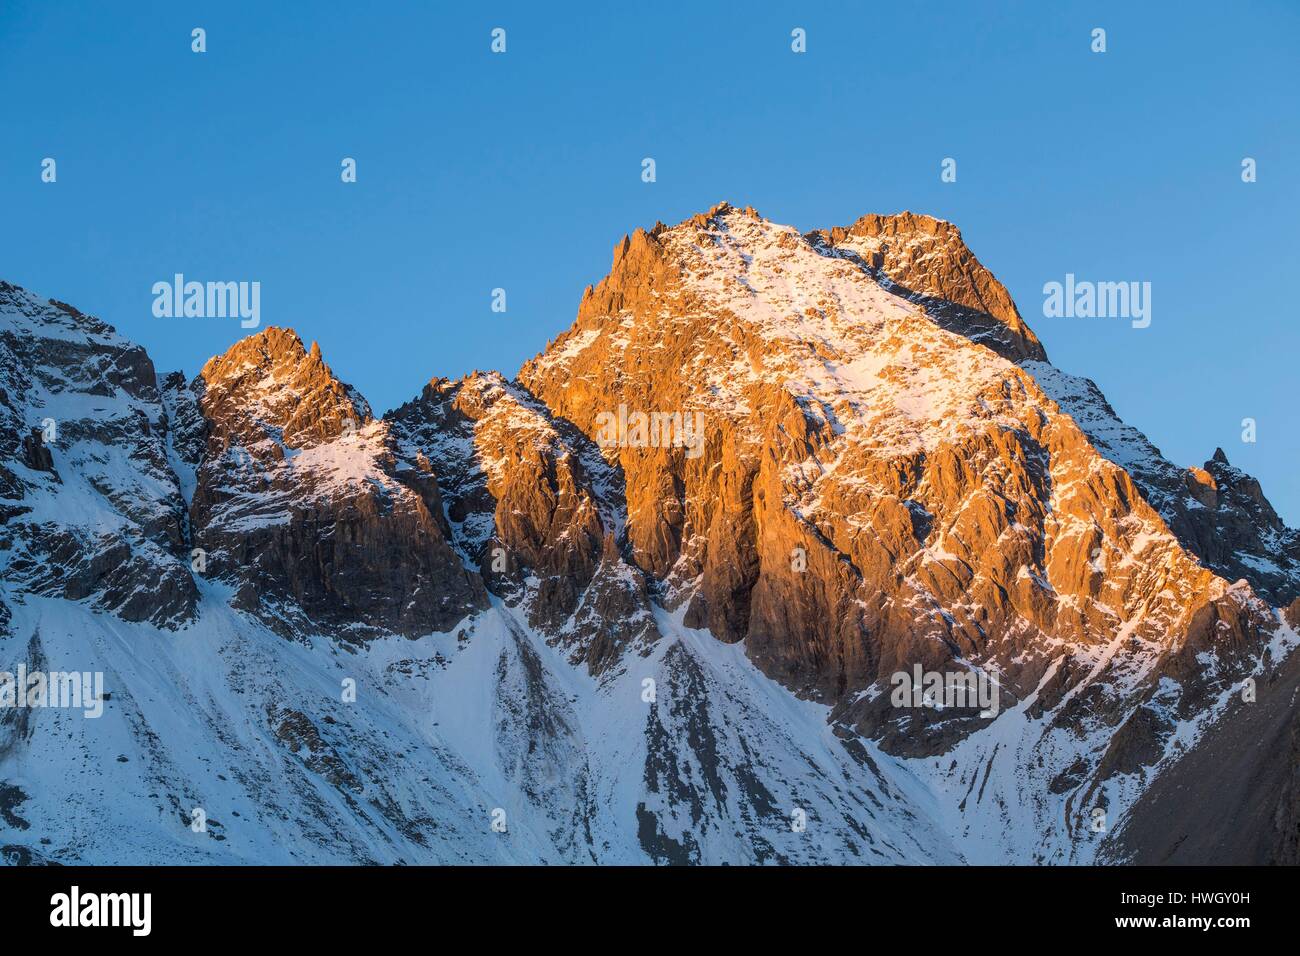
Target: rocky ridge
point(888, 473)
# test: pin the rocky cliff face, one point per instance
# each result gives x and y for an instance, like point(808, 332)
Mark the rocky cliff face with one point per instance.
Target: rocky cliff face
point(301, 503)
point(623, 597)
point(866, 470)
point(90, 508)
point(1218, 513)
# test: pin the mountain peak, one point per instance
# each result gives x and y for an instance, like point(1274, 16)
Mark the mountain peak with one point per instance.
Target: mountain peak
point(724, 207)
point(777, 293)
point(924, 259)
point(905, 223)
point(915, 257)
point(269, 380)
point(28, 313)
point(271, 346)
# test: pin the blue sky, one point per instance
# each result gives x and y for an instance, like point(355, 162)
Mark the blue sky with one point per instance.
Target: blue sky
point(521, 170)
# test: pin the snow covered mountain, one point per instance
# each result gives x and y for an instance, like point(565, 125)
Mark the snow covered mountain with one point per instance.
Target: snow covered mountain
point(647, 601)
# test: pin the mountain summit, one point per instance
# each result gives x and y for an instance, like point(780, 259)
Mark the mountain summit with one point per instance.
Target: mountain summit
point(650, 600)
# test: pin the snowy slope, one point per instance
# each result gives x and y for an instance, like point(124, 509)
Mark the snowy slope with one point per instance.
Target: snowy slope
point(230, 718)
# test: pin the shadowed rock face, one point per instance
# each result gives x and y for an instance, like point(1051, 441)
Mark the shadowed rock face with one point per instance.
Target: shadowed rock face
point(1244, 770)
point(533, 505)
point(89, 507)
point(835, 457)
point(509, 472)
point(1244, 538)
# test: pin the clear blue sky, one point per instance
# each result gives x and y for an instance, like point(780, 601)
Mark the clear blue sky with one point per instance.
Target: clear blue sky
point(522, 170)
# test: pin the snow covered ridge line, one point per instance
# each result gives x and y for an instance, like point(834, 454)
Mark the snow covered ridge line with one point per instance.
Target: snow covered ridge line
point(83, 690)
point(1102, 300)
point(639, 429)
point(211, 300)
